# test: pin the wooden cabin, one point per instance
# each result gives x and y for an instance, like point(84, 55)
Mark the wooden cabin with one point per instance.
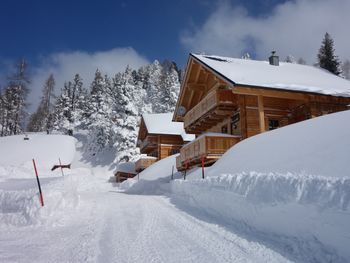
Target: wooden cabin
point(125, 171)
point(241, 98)
point(159, 137)
point(144, 162)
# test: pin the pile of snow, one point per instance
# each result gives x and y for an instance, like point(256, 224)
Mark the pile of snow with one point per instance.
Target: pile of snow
point(45, 149)
point(19, 200)
point(152, 179)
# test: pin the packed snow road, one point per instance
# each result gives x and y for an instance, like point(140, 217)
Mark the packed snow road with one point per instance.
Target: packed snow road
point(116, 227)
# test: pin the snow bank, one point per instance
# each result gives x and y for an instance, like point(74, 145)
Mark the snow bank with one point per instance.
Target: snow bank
point(45, 149)
point(294, 181)
point(318, 146)
point(152, 179)
point(19, 200)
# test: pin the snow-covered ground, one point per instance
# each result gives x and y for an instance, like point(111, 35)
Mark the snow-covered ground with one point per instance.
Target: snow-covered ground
point(264, 201)
point(291, 185)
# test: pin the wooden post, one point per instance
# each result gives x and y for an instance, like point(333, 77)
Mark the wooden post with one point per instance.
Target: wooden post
point(261, 113)
point(172, 173)
point(186, 166)
point(38, 181)
point(59, 159)
point(243, 116)
point(202, 167)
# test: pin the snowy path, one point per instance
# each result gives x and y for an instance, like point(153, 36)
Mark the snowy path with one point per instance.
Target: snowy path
point(116, 227)
point(151, 229)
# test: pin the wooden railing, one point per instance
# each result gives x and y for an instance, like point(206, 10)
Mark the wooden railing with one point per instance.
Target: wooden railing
point(213, 99)
point(144, 162)
point(210, 147)
point(148, 141)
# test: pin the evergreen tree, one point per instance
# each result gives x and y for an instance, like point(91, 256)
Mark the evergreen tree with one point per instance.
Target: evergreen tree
point(301, 61)
point(126, 118)
point(16, 95)
point(70, 106)
point(346, 69)
point(290, 59)
point(99, 115)
point(326, 57)
point(42, 119)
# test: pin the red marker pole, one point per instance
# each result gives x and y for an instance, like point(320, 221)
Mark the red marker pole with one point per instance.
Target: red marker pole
point(202, 167)
point(37, 179)
point(59, 159)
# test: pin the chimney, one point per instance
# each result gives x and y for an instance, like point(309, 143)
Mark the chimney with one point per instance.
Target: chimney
point(273, 59)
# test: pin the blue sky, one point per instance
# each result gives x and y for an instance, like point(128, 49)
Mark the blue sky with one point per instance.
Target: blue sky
point(67, 37)
point(37, 28)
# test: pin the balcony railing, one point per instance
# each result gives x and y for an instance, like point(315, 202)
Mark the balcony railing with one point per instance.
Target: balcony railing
point(144, 162)
point(208, 147)
point(220, 100)
point(148, 142)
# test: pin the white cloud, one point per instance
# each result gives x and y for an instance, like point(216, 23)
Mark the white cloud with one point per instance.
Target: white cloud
point(65, 65)
point(295, 27)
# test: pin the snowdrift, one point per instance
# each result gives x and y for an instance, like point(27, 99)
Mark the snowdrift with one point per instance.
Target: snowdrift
point(45, 149)
point(19, 201)
point(152, 179)
point(293, 182)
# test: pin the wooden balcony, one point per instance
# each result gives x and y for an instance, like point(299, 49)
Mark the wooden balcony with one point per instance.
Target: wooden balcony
point(148, 144)
point(209, 146)
point(210, 111)
point(144, 162)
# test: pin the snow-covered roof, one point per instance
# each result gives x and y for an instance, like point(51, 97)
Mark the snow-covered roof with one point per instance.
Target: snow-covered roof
point(161, 123)
point(286, 76)
point(128, 167)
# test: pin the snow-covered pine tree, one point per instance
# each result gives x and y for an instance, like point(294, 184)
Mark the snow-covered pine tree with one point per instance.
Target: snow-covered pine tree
point(99, 114)
point(169, 87)
point(16, 98)
point(301, 61)
point(42, 119)
point(127, 115)
point(70, 106)
point(346, 69)
point(290, 59)
point(326, 57)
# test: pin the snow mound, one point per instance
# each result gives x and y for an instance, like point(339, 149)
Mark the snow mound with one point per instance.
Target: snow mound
point(318, 146)
point(45, 149)
point(152, 179)
point(293, 181)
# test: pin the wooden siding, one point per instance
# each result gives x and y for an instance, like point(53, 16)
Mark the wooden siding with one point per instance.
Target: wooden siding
point(122, 176)
point(143, 163)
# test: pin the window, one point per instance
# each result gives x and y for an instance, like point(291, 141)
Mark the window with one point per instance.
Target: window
point(273, 124)
point(174, 151)
point(224, 129)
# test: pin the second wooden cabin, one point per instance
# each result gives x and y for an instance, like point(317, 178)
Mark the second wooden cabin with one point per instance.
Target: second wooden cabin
point(225, 100)
point(158, 138)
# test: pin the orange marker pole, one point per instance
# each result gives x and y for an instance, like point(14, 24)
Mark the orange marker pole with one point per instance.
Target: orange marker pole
point(37, 179)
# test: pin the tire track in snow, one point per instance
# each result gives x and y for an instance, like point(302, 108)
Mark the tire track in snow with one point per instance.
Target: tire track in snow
point(151, 229)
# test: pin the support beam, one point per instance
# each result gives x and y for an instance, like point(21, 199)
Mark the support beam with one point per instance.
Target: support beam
point(243, 115)
point(261, 113)
point(270, 93)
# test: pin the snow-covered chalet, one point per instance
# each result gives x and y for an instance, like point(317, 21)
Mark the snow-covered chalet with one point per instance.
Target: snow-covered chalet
point(225, 100)
point(159, 137)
